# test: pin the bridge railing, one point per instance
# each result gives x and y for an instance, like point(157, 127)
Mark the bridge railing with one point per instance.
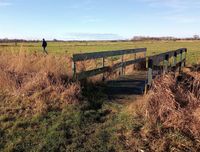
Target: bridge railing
point(178, 58)
point(104, 68)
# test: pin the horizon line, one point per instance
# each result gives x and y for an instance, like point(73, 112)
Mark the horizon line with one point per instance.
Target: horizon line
point(122, 39)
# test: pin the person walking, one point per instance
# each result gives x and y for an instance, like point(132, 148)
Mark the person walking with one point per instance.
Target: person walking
point(44, 45)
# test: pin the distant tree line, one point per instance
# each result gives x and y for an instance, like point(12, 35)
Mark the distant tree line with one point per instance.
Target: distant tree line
point(135, 38)
point(6, 40)
point(140, 38)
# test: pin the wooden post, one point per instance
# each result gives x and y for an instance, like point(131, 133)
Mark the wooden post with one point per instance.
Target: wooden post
point(166, 64)
point(163, 63)
point(103, 65)
point(180, 63)
point(174, 67)
point(122, 69)
point(150, 71)
point(74, 69)
point(145, 56)
point(181, 57)
point(175, 59)
point(185, 57)
point(135, 57)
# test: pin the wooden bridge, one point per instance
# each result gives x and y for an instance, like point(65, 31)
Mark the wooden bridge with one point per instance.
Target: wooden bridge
point(137, 82)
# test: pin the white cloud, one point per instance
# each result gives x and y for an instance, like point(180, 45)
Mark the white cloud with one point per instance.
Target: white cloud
point(91, 36)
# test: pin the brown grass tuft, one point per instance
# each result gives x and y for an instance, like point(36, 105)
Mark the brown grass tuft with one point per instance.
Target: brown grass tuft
point(171, 114)
point(39, 82)
point(172, 103)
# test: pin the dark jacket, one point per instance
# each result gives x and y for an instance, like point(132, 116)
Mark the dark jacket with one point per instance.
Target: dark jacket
point(44, 43)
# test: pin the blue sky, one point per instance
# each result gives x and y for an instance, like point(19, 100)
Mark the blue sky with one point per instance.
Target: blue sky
point(98, 19)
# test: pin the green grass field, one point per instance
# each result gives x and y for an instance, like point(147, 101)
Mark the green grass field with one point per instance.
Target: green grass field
point(69, 48)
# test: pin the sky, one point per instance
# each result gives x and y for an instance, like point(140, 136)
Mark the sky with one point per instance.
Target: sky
point(98, 19)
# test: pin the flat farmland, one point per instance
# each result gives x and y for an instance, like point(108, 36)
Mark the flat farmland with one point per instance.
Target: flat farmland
point(68, 48)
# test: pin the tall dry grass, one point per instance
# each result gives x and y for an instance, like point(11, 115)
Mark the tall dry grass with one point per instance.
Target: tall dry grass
point(36, 82)
point(173, 105)
point(171, 114)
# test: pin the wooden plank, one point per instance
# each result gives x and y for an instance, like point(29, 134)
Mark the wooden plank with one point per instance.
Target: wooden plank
point(150, 72)
point(170, 53)
point(127, 63)
point(178, 63)
point(185, 58)
point(166, 64)
point(86, 74)
point(122, 63)
point(175, 59)
point(96, 55)
point(102, 70)
point(74, 70)
point(181, 60)
point(158, 60)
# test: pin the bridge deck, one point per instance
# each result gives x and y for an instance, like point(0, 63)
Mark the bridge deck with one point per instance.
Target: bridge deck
point(126, 85)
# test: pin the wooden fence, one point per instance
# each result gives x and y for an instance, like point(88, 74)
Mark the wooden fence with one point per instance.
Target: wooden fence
point(103, 56)
point(178, 60)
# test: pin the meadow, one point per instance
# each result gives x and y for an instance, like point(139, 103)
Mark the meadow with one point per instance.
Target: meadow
point(68, 48)
point(41, 109)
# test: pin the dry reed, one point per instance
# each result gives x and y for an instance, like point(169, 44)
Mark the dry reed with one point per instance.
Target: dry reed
point(36, 82)
point(169, 115)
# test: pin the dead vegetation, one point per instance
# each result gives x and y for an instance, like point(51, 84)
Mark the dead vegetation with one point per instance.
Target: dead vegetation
point(169, 119)
point(37, 82)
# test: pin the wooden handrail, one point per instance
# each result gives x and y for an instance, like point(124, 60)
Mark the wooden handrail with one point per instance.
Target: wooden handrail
point(151, 60)
point(103, 55)
point(165, 58)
